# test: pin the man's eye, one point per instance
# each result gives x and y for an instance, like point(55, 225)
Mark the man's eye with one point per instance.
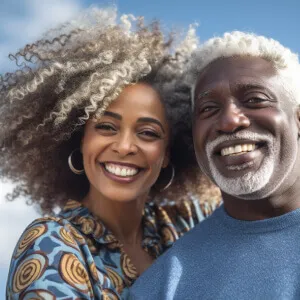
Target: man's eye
point(207, 109)
point(256, 100)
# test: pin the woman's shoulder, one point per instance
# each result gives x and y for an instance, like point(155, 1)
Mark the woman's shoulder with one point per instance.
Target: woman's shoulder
point(44, 257)
point(47, 233)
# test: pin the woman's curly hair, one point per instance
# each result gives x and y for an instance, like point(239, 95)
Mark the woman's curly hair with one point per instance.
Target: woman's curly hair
point(71, 75)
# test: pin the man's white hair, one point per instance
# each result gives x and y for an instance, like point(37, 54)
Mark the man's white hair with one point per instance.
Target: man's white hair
point(238, 43)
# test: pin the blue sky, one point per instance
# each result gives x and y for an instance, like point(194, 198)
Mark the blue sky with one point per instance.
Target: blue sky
point(22, 21)
point(273, 18)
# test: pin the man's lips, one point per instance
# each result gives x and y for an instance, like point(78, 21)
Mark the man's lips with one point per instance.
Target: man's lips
point(239, 155)
point(245, 158)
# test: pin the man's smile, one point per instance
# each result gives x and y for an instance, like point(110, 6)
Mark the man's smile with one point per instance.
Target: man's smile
point(238, 149)
point(237, 153)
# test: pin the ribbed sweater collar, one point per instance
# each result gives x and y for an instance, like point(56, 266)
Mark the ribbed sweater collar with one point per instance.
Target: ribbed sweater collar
point(267, 225)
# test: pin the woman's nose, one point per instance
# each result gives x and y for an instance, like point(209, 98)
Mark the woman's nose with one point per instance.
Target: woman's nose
point(125, 145)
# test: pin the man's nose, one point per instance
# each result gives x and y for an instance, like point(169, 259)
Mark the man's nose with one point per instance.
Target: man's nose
point(232, 119)
point(125, 145)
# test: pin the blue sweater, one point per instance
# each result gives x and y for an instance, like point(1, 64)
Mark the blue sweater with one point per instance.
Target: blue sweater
point(225, 258)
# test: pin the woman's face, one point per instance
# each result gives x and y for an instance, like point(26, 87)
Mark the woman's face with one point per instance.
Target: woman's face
point(124, 151)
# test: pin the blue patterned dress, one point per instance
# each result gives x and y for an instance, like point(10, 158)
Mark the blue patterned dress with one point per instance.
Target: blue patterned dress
point(73, 255)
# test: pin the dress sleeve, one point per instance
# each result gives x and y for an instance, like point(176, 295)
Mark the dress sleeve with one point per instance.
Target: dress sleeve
point(48, 263)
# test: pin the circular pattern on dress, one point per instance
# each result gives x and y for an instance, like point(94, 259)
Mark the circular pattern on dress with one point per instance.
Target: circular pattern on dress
point(128, 268)
point(37, 295)
point(116, 279)
point(111, 242)
point(72, 204)
point(94, 271)
point(184, 209)
point(163, 216)
point(92, 245)
point(99, 230)
point(29, 237)
point(87, 225)
point(29, 270)
point(169, 236)
point(49, 218)
point(78, 237)
point(67, 237)
point(108, 294)
point(74, 273)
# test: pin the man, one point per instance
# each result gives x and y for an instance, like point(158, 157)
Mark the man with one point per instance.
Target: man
point(246, 129)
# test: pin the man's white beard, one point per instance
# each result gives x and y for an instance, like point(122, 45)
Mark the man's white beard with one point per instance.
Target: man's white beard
point(252, 181)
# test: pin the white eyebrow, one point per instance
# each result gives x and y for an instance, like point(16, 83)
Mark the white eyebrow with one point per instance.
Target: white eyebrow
point(203, 94)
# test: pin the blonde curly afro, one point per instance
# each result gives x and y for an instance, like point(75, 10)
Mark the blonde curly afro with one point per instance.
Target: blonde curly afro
point(72, 74)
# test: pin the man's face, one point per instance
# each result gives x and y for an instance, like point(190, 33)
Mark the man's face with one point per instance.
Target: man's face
point(245, 128)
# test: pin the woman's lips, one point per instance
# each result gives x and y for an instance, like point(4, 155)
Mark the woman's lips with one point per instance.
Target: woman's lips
point(121, 170)
point(120, 178)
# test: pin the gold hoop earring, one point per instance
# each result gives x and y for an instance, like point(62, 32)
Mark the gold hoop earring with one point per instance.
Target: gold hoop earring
point(171, 179)
point(72, 168)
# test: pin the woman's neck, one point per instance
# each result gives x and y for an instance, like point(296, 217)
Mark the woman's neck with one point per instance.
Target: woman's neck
point(123, 219)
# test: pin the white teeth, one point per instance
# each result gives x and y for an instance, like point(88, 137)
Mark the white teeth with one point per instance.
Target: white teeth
point(120, 170)
point(244, 148)
point(250, 147)
point(238, 149)
point(129, 172)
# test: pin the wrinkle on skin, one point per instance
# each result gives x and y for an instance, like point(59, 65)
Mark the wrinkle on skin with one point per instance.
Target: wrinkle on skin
point(223, 87)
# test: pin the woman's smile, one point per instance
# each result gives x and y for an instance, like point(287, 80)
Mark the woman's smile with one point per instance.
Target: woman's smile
point(120, 172)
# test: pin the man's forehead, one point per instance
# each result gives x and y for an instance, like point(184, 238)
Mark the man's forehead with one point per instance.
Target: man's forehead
point(241, 71)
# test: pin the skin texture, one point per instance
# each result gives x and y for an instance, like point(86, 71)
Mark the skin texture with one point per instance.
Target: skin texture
point(239, 101)
point(124, 136)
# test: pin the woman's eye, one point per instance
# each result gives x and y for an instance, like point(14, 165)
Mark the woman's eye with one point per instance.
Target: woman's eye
point(106, 127)
point(150, 134)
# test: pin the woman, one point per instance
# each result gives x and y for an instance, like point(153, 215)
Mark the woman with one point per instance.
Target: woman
point(91, 120)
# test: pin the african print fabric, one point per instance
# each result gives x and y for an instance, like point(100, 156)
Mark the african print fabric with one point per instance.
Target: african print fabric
point(73, 255)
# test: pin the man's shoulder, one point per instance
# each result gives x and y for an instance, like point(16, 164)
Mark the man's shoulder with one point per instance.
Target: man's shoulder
point(166, 270)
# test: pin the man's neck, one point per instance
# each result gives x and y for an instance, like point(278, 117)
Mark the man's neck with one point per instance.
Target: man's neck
point(260, 209)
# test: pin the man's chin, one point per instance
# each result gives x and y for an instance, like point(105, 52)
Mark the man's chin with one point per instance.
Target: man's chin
point(248, 186)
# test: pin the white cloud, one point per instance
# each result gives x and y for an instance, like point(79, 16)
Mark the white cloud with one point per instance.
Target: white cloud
point(15, 216)
point(37, 17)
point(18, 26)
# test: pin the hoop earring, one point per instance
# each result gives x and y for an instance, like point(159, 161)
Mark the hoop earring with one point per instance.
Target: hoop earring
point(72, 168)
point(171, 179)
